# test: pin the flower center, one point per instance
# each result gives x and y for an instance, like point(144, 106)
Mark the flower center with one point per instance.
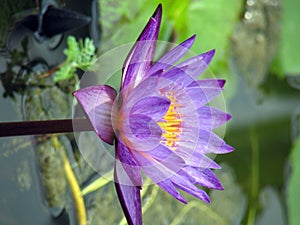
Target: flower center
point(171, 124)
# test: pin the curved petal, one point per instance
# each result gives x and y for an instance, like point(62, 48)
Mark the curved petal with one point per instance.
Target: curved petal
point(140, 57)
point(155, 107)
point(169, 187)
point(205, 178)
point(144, 128)
point(210, 118)
point(209, 83)
point(148, 87)
point(195, 66)
point(184, 184)
point(140, 132)
point(166, 157)
point(179, 77)
point(158, 170)
point(127, 175)
point(170, 58)
point(212, 143)
point(128, 164)
point(196, 159)
point(97, 102)
point(204, 91)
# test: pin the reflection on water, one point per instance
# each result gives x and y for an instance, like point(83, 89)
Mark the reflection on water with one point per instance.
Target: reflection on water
point(22, 196)
point(32, 173)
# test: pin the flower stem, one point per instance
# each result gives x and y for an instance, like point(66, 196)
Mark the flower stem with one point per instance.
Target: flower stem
point(43, 127)
point(75, 191)
point(201, 207)
point(254, 176)
point(98, 183)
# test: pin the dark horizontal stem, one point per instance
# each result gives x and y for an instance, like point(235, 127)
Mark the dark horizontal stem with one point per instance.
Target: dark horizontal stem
point(43, 127)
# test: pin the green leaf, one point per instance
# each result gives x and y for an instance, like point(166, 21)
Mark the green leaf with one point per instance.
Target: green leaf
point(213, 21)
point(80, 55)
point(73, 49)
point(290, 44)
point(293, 194)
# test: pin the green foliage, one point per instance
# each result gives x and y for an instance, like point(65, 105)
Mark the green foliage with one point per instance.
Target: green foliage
point(290, 33)
point(293, 195)
point(80, 55)
point(16, 77)
point(211, 20)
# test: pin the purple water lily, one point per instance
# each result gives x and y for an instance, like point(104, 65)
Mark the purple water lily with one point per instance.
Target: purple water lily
point(160, 121)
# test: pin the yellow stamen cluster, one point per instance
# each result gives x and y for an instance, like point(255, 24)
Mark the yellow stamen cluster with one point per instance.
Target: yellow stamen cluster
point(171, 125)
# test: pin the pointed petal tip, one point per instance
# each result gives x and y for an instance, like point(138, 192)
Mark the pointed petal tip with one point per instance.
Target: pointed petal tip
point(228, 117)
point(220, 188)
point(221, 83)
point(157, 13)
point(74, 93)
point(226, 149)
point(217, 184)
point(158, 10)
point(207, 56)
point(180, 198)
point(189, 42)
point(206, 199)
point(192, 38)
point(230, 148)
point(184, 201)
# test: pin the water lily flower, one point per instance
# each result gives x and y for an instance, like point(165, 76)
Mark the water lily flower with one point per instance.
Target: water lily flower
point(160, 122)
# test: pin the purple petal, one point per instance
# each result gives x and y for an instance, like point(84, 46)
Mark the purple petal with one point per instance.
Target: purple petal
point(186, 72)
point(211, 143)
point(205, 178)
point(140, 132)
point(97, 102)
point(210, 118)
point(167, 158)
point(143, 127)
point(209, 83)
point(179, 77)
point(168, 186)
point(148, 87)
point(130, 200)
point(196, 65)
point(157, 170)
point(154, 107)
point(128, 164)
point(172, 56)
point(204, 91)
point(140, 57)
point(128, 194)
point(196, 159)
point(188, 187)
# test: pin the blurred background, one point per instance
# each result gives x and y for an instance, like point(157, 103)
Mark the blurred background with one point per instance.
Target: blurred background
point(257, 52)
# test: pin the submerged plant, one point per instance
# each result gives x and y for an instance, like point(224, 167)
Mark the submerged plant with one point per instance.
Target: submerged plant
point(159, 122)
point(80, 55)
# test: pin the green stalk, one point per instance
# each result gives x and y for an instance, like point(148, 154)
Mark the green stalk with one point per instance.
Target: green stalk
point(254, 176)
